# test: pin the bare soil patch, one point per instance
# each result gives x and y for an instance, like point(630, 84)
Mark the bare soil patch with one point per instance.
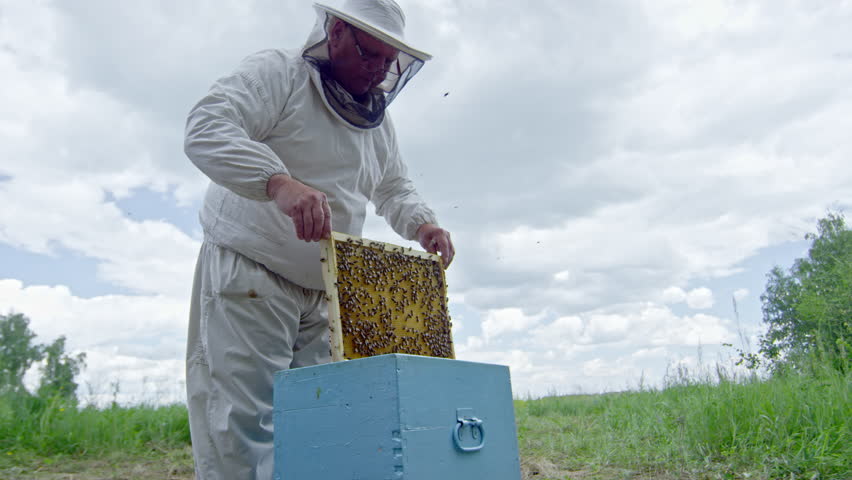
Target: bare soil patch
point(175, 465)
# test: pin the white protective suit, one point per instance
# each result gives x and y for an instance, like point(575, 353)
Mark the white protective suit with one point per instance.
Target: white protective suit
point(257, 304)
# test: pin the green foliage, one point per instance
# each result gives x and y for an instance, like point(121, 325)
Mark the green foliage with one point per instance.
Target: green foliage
point(808, 310)
point(48, 427)
point(17, 351)
point(59, 371)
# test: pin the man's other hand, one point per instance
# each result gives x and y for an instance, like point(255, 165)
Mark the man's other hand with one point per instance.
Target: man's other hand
point(307, 207)
point(436, 240)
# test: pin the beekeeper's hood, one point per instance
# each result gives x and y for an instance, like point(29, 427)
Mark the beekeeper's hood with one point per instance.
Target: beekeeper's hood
point(384, 20)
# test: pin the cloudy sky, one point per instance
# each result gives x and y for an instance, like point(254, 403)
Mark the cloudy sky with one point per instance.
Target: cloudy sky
point(614, 173)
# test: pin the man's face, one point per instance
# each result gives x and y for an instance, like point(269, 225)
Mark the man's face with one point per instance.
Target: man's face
point(359, 61)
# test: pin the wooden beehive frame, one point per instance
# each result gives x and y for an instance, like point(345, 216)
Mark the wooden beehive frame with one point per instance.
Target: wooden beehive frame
point(383, 298)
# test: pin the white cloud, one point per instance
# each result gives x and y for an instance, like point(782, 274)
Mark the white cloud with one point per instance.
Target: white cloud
point(562, 332)
point(65, 146)
point(693, 20)
point(608, 349)
point(694, 330)
point(741, 294)
point(653, 353)
point(632, 326)
point(612, 368)
point(131, 379)
point(673, 295)
point(608, 267)
point(607, 328)
point(700, 298)
point(562, 276)
point(149, 325)
point(668, 158)
point(508, 320)
point(149, 256)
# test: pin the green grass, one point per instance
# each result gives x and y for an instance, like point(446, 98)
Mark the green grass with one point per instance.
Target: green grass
point(790, 427)
point(787, 427)
point(30, 425)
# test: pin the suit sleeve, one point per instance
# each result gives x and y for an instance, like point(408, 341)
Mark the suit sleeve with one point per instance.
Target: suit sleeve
point(225, 129)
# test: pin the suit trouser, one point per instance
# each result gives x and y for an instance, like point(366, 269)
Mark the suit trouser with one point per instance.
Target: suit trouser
point(245, 324)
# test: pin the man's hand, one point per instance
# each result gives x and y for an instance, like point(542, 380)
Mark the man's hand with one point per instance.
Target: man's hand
point(436, 240)
point(307, 207)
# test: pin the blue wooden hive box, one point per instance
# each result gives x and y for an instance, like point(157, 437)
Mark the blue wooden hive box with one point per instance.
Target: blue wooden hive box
point(395, 417)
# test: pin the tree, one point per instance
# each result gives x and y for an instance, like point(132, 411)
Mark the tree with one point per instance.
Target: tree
point(59, 371)
point(17, 352)
point(808, 310)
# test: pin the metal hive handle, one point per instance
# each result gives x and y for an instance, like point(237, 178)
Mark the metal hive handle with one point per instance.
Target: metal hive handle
point(475, 425)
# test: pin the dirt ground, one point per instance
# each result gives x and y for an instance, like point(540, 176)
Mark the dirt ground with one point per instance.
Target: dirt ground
point(89, 471)
point(543, 469)
point(178, 466)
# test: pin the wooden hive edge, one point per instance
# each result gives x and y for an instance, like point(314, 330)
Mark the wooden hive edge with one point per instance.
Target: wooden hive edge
point(388, 247)
point(328, 259)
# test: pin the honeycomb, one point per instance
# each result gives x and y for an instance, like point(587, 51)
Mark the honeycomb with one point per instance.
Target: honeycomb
point(384, 299)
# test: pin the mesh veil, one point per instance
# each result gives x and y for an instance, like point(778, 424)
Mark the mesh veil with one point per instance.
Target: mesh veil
point(370, 113)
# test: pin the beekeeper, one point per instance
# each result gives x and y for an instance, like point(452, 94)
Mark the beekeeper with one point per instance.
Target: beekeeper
point(296, 143)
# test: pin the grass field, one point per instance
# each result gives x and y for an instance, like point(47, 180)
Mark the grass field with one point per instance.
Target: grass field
point(789, 427)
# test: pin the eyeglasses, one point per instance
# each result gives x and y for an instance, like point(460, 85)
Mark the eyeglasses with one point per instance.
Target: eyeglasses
point(385, 66)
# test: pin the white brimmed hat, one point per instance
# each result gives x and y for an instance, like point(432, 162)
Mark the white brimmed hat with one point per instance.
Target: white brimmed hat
point(383, 19)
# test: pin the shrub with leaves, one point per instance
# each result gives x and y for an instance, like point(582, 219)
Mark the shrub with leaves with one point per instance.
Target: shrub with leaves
point(808, 310)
